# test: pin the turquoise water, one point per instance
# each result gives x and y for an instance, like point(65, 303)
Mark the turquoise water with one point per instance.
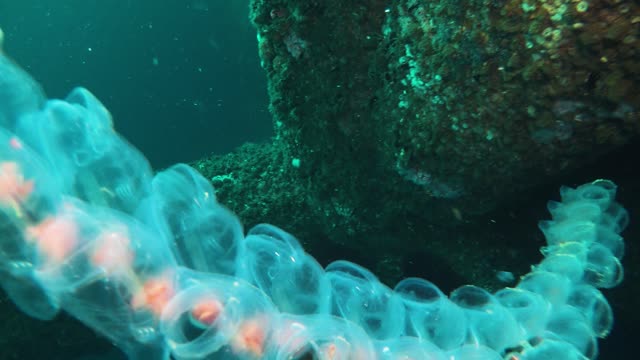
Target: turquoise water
point(182, 78)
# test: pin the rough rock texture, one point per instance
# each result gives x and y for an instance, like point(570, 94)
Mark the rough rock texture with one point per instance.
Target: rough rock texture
point(400, 126)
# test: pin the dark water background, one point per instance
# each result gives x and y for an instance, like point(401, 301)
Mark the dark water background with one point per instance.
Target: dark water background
point(181, 78)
